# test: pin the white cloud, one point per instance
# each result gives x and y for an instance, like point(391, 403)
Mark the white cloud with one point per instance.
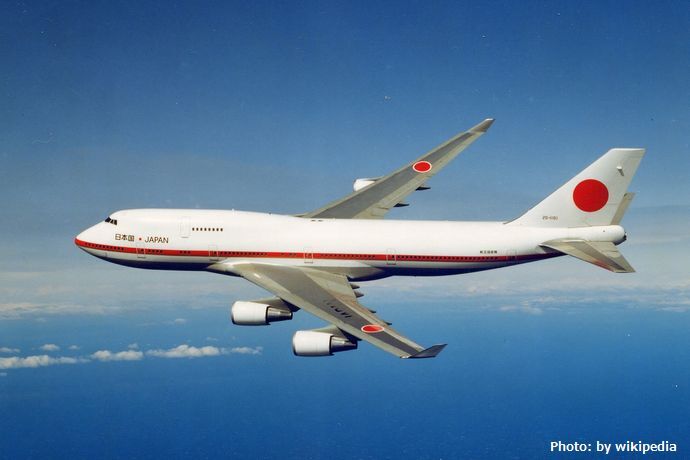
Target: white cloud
point(247, 350)
point(677, 309)
point(49, 347)
point(528, 309)
point(182, 351)
point(179, 321)
point(211, 339)
point(107, 355)
point(9, 350)
point(133, 346)
point(17, 310)
point(16, 362)
point(185, 351)
point(74, 347)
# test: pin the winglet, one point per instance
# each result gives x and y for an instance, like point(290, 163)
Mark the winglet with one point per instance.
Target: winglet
point(430, 352)
point(483, 126)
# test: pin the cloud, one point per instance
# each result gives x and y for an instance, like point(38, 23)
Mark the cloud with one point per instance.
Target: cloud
point(678, 309)
point(185, 351)
point(176, 322)
point(107, 355)
point(133, 346)
point(73, 347)
point(181, 351)
point(49, 347)
point(9, 350)
point(247, 350)
point(17, 310)
point(15, 362)
point(528, 309)
point(211, 339)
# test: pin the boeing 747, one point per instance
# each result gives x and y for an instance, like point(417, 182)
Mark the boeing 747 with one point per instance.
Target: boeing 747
point(312, 261)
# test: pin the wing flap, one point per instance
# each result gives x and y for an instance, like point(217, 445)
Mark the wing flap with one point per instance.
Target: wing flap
point(330, 297)
point(601, 254)
point(376, 199)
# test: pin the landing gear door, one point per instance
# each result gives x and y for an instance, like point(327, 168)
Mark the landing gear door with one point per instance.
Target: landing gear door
point(185, 227)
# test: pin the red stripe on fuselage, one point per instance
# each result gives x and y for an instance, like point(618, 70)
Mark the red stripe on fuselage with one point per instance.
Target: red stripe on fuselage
point(302, 255)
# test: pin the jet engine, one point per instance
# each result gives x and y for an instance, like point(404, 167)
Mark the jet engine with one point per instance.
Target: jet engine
point(260, 312)
point(320, 343)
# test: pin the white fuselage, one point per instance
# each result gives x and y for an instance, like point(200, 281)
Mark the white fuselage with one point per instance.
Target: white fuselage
point(190, 239)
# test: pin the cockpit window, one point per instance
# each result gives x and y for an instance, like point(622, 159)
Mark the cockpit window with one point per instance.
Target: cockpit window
point(111, 221)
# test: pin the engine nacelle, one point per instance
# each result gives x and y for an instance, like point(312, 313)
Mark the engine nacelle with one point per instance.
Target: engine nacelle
point(359, 184)
point(317, 343)
point(245, 313)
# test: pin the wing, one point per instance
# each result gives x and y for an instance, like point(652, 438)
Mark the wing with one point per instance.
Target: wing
point(330, 297)
point(375, 200)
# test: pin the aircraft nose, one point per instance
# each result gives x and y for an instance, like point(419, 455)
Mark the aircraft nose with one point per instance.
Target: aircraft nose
point(87, 236)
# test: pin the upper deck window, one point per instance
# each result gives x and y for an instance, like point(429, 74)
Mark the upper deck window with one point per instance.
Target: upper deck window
point(111, 221)
point(207, 229)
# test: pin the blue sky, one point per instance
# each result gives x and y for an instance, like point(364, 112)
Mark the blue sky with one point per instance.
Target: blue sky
point(278, 107)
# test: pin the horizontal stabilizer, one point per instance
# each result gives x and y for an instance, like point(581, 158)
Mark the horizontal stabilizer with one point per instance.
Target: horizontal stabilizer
point(601, 254)
point(430, 352)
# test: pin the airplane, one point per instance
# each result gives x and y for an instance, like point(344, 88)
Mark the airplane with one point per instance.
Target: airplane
point(312, 261)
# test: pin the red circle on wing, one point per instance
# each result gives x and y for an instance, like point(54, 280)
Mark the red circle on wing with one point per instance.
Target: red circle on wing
point(372, 328)
point(590, 195)
point(422, 166)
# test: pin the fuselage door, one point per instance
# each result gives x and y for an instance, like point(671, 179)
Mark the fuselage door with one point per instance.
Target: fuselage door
point(213, 252)
point(141, 249)
point(185, 227)
point(391, 258)
point(308, 256)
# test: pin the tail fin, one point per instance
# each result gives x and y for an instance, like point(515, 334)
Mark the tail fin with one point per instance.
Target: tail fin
point(596, 196)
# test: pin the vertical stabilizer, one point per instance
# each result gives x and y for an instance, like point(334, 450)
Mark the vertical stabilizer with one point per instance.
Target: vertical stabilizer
point(596, 196)
point(622, 208)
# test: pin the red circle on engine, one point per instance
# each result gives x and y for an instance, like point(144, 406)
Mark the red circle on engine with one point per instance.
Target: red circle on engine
point(590, 195)
point(372, 328)
point(422, 166)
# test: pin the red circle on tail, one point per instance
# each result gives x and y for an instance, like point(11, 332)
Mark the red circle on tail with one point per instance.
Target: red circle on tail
point(422, 166)
point(590, 195)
